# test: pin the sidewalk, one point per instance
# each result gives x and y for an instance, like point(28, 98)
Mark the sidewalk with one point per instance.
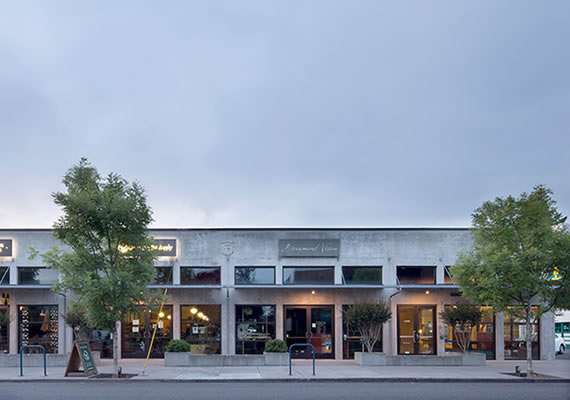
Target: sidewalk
point(326, 370)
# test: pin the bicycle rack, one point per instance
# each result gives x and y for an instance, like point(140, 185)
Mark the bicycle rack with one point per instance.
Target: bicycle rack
point(32, 346)
point(301, 345)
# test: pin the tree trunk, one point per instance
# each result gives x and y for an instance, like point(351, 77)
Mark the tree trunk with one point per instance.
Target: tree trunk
point(528, 339)
point(116, 349)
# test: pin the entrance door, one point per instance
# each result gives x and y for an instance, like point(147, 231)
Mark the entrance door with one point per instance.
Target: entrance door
point(313, 325)
point(138, 328)
point(416, 329)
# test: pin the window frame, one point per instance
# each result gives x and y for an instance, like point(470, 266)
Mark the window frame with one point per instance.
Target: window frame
point(237, 267)
point(312, 283)
point(212, 267)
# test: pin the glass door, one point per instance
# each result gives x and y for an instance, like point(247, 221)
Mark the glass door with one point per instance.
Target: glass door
point(313, 325)
point(416, 330)
point(138, 329)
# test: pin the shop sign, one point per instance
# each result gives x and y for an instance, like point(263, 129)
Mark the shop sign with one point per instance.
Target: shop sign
point(163, 247)
point(309, 248)
point(5, 247)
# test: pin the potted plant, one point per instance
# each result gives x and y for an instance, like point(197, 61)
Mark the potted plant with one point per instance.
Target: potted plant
point(368, 318)
point(276, 352)
point(177, 354)
point(463, 317)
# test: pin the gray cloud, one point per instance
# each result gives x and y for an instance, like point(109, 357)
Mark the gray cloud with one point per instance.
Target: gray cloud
point(304, 113)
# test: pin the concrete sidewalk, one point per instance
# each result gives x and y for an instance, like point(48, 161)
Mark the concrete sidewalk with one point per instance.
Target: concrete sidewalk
point(326, 370)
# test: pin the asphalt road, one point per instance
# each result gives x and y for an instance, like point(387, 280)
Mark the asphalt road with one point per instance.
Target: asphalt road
point(296, 391)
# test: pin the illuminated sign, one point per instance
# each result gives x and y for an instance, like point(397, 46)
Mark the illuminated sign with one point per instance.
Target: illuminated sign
point(163, 247)
point(309, 248)
point(556, 275)
point(5, 247)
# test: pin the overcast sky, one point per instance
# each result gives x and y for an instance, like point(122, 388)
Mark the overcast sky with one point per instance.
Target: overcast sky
point(286, 113)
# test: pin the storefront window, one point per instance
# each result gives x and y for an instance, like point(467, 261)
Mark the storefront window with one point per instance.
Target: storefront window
point(38, 325)
point(200, 275)
point(36, 276)
point(4, 322)
point(308, 275)
point(255, 275)
point(4, 275)
point(362, 275)
point(353, 342)
point(255, 325)
point(416, 275)
point(515, 335)
point(201, 327)
point(163, 276)
point(482, 337)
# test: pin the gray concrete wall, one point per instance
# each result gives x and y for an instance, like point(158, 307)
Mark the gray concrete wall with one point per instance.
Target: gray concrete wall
point(386, 248)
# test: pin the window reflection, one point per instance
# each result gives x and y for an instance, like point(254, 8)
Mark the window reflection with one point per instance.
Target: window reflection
point(201, 327)
point(255, 325)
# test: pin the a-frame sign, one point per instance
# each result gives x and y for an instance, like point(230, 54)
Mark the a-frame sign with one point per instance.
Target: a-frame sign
point(80, 362)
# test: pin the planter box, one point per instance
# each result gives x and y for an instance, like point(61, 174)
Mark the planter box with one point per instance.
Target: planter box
point(366, 358)
point(176, 359)
point(276, 359)
point(33, 360)
point(212, 360)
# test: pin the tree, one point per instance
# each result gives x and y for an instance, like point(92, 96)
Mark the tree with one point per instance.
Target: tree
point(368, 318)
point(518, 244)
point(462, 318)
point(110, 258)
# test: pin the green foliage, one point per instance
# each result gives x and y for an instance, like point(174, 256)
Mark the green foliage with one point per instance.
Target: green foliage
point(463, 318)
point(178, 346)
point(76, 317)
point(276, 346)
point(368, 318)
point(517, 245)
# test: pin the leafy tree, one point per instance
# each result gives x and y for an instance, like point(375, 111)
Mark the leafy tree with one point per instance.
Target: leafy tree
point(462, 318)
point(518, 243)
point(109, 260)
point(368, 318)
point(76, 317)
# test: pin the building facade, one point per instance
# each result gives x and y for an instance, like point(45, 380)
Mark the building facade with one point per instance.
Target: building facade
point(230, 290)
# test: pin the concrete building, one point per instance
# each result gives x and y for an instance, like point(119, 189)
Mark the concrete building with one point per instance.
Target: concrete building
point(230, 290)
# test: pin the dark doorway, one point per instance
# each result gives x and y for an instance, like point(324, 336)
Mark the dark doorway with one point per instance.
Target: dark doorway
point(313, 325)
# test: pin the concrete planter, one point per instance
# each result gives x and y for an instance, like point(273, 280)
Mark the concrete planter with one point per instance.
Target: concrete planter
point(278, 359)
point(448, 360)
point(178, 359)
point(33, 360)
point(366, 358)
point(212, 360)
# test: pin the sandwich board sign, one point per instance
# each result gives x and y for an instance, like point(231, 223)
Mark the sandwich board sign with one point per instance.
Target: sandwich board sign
point(80, 362)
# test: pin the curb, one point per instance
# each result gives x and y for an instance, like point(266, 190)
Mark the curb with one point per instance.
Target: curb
point(297, 380)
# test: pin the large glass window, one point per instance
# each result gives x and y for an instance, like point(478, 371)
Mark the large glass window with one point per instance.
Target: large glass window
point(255, 275)
point(416, 275)
point(362, 275)
point(163, 276)
point(308, 275)
point(4, 275)
point(201, 327)
point(4, 323)
point(255, 325)
point(482, 337)
point(515, 335)
point(36, 276)
point(200, 275)
point(352, 341)
point(38, 325)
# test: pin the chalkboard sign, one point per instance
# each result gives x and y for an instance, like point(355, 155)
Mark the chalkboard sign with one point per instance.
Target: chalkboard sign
point(80, 361)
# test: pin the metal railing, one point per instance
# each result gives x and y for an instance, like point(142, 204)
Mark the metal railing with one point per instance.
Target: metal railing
point(302, 345)
point(32, 346)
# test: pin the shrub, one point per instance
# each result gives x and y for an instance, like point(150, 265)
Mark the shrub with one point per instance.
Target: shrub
point(463, 318)
point(368, 318)
point(276, 346)
point(178, 346)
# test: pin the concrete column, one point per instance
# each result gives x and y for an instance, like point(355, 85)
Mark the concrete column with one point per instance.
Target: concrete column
point(440, 273)
point(176, 273)
point(13, 274)
point(500, 336)
point(338, 274)
point(440, 326)
point(546, 337)
point(338, 331)
point(387, 337)
point(13, 328)
point(225, 325)
point(279, 321)
point(231, 333)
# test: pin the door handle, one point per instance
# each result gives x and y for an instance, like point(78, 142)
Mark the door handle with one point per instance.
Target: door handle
point(309, 335)
point(416, 337)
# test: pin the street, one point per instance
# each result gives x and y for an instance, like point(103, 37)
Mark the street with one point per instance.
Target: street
point(299, 391)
